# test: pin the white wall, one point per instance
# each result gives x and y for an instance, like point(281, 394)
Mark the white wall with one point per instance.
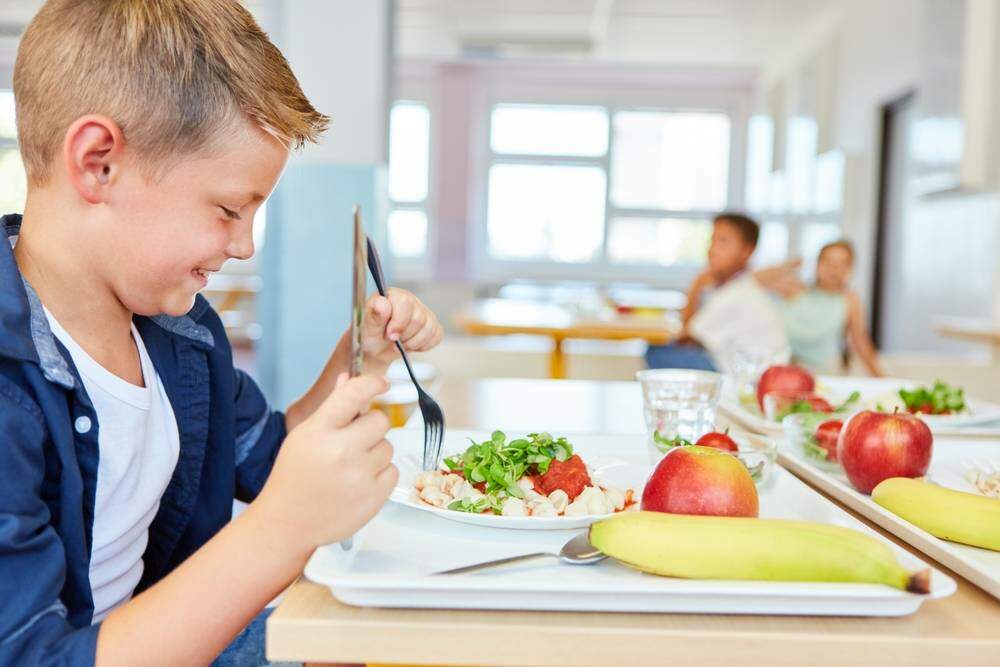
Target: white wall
point(882, 52)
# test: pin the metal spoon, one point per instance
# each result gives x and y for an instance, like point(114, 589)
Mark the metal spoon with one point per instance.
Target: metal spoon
point(578, 551)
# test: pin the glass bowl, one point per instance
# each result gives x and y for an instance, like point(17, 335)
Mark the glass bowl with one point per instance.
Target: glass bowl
point(779, 404)
point(800, 430)
point(758, 453)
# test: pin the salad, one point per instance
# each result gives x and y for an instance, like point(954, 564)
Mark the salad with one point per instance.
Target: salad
point(940, 399)
point(538, 475)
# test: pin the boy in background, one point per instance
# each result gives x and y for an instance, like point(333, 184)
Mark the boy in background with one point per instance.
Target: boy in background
point(151, 132)
point(734, 239)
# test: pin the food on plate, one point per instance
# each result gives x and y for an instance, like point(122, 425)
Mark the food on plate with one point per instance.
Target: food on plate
point(780, 404)
point(950, 514)
point(874, 446)
point(987, 483)
point(940, 399)
point(700, 480)
point(718, 440)
point(710, 547)
point(822, 443)
point(788, 378)
point(537, 475)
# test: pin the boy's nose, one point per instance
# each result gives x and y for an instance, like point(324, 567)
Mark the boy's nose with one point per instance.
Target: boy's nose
point(241, 242)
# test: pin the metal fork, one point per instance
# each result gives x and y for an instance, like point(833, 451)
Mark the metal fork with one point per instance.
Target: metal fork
point(429, 408)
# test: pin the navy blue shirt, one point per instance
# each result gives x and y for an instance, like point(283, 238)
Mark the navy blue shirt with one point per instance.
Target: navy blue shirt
point(229, 438)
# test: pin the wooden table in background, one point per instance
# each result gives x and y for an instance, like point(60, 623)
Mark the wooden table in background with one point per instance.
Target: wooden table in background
point(310, 625)
point(494, 317)
point(972, 331)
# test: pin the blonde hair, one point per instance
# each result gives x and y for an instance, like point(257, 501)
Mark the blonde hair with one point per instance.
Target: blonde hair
point(174, 74)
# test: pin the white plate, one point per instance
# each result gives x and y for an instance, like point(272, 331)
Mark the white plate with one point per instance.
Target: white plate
point(873, 391)
point(395, 554)
point(408, 444)
point(950, 456)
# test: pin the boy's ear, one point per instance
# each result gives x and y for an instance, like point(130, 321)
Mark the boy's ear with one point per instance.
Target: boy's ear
point(92, 152)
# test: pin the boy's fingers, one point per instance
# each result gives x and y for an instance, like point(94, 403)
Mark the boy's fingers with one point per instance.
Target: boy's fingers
point(380, 456)
point(350, 398)
point(418, 320)
point(386, 480)
point(402, 312)
point(366, 431)
point(423, 339)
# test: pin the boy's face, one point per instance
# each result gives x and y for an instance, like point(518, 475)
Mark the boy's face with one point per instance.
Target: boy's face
point(164, 237)
point(833, 268)
point(728, 252)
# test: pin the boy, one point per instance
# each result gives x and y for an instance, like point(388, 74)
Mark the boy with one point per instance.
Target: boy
point(151, 132)
point(734, 238)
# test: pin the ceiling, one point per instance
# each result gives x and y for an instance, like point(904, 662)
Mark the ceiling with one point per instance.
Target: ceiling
point(743, 33)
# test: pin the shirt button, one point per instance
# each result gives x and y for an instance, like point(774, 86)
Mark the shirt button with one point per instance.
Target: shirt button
point(82, 424)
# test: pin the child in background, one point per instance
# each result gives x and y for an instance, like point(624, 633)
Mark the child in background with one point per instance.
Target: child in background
point(734, 239)
point(818, 319)
point(151, 133)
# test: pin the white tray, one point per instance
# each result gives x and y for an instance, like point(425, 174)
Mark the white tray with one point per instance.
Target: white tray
point(393, 556)
point(982, 420)
point(980, 566)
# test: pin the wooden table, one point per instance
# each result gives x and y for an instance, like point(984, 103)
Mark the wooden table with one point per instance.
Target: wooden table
point(310, 625)
point(493, 317)
point(971, 330)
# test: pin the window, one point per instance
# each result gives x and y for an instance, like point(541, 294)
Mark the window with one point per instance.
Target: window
point(670, 160)
point(409, 178)
point(13, 184)
point(553, 212)
point(576, 184)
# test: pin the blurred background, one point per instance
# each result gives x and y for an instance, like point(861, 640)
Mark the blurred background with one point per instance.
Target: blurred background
point(544, 173)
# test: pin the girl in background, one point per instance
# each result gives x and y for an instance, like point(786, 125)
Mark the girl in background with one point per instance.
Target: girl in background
point(817, 319)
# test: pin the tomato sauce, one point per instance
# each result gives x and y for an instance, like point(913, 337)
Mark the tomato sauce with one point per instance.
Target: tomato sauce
point(570, 475)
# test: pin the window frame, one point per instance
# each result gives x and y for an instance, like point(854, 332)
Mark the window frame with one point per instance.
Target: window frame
point(417, 268)
point(734, 103)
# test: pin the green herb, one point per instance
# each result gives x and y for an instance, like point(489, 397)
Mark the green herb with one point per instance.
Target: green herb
point(937, 400)
point(813, 449)
point(849, 401)
point(665, 444)
point(499, 464)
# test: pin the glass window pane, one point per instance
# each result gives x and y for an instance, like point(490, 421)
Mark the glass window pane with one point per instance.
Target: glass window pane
point(815, 235)
point(533, 129)
point(671, 160)
point(409, 151)
point(667, 241)
point(829, 181)
point(7, 127)
point(772, 246)
point(407, 233)
point(545, 212)
point(13, 184)
point(802, 138)
point(760, 139)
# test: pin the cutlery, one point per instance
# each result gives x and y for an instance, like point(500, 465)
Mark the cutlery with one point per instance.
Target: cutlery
point(358, 300)
point(578, 551)
point(429, 408)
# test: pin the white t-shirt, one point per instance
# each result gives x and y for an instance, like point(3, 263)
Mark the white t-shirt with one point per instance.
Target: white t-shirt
point(138, 444)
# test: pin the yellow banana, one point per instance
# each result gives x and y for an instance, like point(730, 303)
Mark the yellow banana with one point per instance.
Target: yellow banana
point(713, 547)
point(952, 515)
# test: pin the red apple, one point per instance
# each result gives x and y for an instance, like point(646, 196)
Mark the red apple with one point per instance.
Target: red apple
point(718, 441)
point(779, 404)
point(700, 480)
point(826, 437)
point(874, 446)
point(784, 378)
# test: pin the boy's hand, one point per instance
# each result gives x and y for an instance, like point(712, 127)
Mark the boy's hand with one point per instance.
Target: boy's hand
point(333, 472)
point(402, 317)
